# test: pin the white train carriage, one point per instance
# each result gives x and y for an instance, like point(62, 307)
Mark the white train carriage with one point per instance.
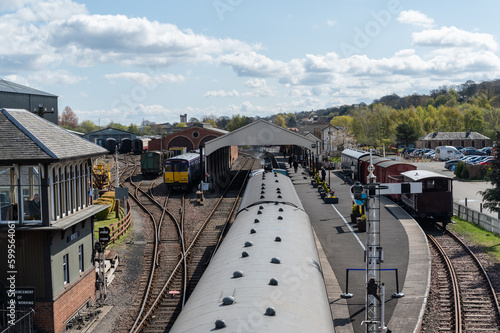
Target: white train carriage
point(266, 275)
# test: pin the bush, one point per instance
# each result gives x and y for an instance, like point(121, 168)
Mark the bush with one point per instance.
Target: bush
point(102, 215)
point(459, 170)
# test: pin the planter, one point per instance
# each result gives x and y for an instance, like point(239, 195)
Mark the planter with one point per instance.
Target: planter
point(354, 217)
point(331, 200)
point(322, 194)
point(361, 224)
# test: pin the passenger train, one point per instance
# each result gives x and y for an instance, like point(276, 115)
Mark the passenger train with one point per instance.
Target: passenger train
point(266, 275)
point(434, 204)
point(182, 171)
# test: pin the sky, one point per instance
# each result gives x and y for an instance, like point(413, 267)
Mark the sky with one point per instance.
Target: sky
point(127, 61)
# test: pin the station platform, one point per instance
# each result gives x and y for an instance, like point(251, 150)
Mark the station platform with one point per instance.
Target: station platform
point(341, 247)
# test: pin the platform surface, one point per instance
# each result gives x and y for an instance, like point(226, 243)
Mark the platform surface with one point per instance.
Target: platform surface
point(342, 247)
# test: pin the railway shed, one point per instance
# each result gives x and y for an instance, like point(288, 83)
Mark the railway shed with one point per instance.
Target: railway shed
point(99, 137)
point(16, 96)
point(47, 219)
point(258, 133)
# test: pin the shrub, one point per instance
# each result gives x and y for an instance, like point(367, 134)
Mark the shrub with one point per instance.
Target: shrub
point(356, 210)
point(102, 215)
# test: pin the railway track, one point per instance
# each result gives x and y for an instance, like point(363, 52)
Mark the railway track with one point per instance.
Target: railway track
point(462, 298)
point(182, 257)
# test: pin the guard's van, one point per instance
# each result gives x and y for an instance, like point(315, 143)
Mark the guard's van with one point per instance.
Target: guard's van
point(446, 153)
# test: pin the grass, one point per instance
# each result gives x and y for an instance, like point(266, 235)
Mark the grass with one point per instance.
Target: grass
point(106, 223)
point(487, 241)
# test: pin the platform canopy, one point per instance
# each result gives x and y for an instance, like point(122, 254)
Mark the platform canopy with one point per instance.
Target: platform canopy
point(260, 133)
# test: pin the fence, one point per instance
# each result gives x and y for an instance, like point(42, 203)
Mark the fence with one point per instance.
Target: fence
point(23, 322)
point(485, 221)
point(119, 228)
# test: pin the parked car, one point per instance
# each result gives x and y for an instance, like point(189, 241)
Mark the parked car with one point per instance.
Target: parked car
point(489, 160)
point(487, 150)
point(450, 164)
point(429, 153)
point(472, 151)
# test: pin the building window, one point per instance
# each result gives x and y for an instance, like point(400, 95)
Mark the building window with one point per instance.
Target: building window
point(80, 258)
point(8, 194)
point(66, 268)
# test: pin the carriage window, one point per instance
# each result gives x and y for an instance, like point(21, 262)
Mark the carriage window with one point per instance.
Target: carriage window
point(184, 167)
point(168, 168)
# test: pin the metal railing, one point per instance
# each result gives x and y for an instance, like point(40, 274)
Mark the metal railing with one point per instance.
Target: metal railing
point(485, 221)
point(23, 322)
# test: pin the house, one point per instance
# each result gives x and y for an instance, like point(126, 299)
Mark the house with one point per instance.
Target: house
point(462, 139)
point(46, 219)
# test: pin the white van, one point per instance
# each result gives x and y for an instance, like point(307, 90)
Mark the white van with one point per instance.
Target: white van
point(446, 153)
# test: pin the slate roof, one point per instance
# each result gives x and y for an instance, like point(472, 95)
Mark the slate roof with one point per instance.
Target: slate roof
point(6, 86)
point(26, 137)
point(454, 136)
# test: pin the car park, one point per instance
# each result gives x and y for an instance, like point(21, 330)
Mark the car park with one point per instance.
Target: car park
point(472, 151)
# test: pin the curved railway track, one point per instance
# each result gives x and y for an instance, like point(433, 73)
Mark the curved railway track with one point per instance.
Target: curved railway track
point(180, 264)
point(464, 300)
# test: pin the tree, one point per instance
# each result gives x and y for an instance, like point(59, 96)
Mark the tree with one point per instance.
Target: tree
point(280, 121)
point(118, 126)
point(222, 122)
point(87, 126)
point(68, 119)
point(132, 128)
point(210, 120)
point(491, 196)
point(180, 125)
point(473, 119)
point(406, 134)
point(238, 121)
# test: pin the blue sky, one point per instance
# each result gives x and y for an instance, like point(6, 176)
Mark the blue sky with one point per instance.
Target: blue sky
point(125, 61)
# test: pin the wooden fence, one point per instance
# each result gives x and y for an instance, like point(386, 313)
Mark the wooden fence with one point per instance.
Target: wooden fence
point(485, 221)
point(119, 228)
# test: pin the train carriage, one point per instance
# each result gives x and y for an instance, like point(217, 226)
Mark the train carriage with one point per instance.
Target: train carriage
point(125, 146)
point(350, 159)
point(364, 163)
point(182, 171)
point(435, 203)
point(266, 276)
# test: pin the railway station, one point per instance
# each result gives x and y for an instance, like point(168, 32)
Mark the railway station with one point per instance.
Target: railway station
point(285, 254)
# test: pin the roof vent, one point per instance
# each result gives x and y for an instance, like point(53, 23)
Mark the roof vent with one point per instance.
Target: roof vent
point(228, 300)
point(278, 189)
point(261, 207)
point(237, 274)
point(256, 221)
point(273, 282)
point(252, 231)
point(263, 184)
point(270, 311)
point(275, 260)
point(262, 197)
point(244, 254)
point(262, 192)
point(276, 203)
point(280, 217)
point(259, 212)
point(276, 181)
point(277, 239)
point(281, 209)
point(219, 323)
point(263, 188)
point(248, 244)
point(279, 196)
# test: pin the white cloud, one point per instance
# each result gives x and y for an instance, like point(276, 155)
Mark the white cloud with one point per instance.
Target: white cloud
point(145, 79)
point(331, 23)
point(415, 17)
point(221, 93)
point(454, 37)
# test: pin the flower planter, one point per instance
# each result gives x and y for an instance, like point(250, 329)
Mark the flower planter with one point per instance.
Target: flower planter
point(331, 200)
point(322, 194)
point(361, 224)
point(354, 217)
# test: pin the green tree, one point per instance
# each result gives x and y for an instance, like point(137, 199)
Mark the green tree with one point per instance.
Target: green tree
point(238, 121)
point(87, 126)
point(132, 128)
point(210, 120)
point(181, 125)
point(118, 126)
point(342, 121)
point(280, 121)
point(406, 134)
point(473, 119)
point(491, 196)
point(453, 120)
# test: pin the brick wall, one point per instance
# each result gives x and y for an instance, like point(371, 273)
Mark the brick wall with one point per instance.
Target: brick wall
point(52, 316)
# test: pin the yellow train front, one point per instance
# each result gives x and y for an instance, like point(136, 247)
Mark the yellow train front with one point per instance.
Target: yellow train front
point(182, 171)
